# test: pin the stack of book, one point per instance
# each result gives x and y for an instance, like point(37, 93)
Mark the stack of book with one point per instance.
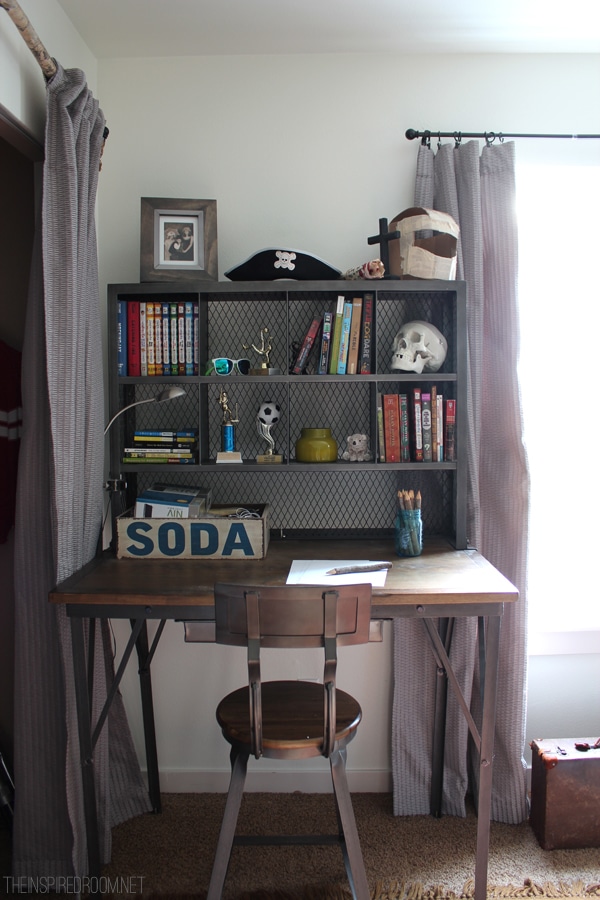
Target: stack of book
point(339, 342)
point(157, 338)
point(173, 501)
point(168, 447)
point(416, 427)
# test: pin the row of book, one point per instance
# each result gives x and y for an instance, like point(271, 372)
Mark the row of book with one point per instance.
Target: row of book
point(163, 447)
point(157, 338)
point(340, 341)
point(416, 427)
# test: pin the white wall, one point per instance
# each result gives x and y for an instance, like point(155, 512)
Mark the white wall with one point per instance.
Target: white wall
point(309, 151)
point(22, 85)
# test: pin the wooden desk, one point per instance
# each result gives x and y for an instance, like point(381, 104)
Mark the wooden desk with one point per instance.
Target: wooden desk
point(441, 584)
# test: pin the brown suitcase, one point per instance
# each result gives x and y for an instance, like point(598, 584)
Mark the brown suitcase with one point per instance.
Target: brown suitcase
point(565, 793)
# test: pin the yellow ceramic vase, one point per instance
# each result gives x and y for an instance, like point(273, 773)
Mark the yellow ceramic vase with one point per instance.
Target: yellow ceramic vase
point(316, 445)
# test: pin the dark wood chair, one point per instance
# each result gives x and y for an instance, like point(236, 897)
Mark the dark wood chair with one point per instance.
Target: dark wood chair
point(291, 719)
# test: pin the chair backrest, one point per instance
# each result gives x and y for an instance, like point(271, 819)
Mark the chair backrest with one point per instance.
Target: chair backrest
point(292, 616)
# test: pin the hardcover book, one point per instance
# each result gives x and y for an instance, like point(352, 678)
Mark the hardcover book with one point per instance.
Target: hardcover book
point(122, 337)
point(344, 338)
point(354, 340)
point(391, 423)
point(450, 431)
point(133, 338)
point(325, 342)
point(417, 426)
point(380, 429)
point(366, 337)
point(426, 426)
point(404, 429)
point(336, 335)
point(306, 347)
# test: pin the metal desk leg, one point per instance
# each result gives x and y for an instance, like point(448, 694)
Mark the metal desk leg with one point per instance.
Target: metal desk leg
point(85, 746)
point(144, 659)
point(484, 806)
point(445, 628)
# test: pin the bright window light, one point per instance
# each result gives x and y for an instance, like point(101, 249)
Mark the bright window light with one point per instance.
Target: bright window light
point(558, 209)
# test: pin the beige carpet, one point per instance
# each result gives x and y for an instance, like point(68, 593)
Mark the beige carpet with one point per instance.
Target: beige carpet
point(413, 857)
point(169, 856)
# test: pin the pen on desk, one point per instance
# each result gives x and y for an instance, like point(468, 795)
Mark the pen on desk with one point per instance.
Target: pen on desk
point(369, 567)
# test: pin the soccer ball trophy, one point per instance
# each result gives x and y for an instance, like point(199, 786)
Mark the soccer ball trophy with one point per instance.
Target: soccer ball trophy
point(268, 414)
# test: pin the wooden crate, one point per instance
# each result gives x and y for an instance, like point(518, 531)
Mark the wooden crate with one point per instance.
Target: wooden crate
point(206, 537)
point(565, 793)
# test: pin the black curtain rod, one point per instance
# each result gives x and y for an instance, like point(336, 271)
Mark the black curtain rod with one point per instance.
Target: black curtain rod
point(490, 136)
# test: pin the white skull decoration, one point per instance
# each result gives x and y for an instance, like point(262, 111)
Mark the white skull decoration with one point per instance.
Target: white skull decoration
point(419, 347)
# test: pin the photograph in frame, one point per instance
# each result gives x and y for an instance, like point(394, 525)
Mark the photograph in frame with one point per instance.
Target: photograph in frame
point(178, 239)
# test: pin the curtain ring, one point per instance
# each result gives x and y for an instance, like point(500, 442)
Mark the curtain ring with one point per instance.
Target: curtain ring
point(457, 139)
point(426, 139)
point(490, 137)
point(439, 140)
point(500, 137)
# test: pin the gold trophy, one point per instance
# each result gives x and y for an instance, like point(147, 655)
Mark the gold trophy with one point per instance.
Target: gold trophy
point(263, 352)
point(268, 415)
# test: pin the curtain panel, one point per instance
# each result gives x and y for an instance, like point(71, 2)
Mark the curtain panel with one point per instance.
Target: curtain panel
point(478, 191)
point(59, 508)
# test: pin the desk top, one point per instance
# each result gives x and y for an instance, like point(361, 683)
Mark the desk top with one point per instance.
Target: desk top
point(440, 576)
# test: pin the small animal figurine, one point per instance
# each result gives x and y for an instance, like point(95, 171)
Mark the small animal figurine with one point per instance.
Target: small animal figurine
point(357, 448)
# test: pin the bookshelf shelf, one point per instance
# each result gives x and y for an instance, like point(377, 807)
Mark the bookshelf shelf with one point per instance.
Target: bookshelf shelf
point(335, 499)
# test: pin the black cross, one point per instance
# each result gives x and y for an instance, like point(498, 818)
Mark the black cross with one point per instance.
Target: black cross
point(383, 239)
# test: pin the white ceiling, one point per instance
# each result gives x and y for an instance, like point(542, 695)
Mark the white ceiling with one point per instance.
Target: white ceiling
point(138, 28)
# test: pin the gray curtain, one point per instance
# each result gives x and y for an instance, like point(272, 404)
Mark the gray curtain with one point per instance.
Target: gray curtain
point(59, 507)
point(479, 192)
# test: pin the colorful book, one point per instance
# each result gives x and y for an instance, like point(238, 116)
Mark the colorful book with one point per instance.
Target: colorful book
point(434, 427)
point(325, 342)
point(391, 425)
point(196, 338)
point(380, 429)
point(417, 434)
point(426, 426)
point(439, 414)
point(342, 359)
point(133, 338)
point(366, 337)
point(150, 334)
point(336, 333)
point(189, 337)
point(450, 431)
point(174, 339)
point(166, 339)
point(143, 341)
point(158, 341)
point(122, 337)
point(354, 341)
point(181, 338)
point(404, 429)
point(306, 346)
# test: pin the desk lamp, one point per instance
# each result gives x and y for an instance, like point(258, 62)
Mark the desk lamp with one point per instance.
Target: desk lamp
point(116, 486)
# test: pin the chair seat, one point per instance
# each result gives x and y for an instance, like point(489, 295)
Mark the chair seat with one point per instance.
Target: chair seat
point(292, 718)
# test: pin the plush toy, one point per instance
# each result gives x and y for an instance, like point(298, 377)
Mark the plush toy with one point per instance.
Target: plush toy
point(357, 448)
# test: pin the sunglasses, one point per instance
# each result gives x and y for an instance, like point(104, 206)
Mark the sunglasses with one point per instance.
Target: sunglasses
point(225, 366)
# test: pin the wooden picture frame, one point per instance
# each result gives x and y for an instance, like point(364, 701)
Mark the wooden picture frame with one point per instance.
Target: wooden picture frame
point(178, 240)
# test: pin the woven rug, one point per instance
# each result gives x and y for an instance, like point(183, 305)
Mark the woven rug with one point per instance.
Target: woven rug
point(413, 891)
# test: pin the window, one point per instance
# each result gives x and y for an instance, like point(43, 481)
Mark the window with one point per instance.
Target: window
point(558, 209)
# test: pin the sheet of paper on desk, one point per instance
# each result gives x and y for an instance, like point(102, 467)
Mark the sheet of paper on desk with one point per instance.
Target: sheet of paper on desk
point(312, 571)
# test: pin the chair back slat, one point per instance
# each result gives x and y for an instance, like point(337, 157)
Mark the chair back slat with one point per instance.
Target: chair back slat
point(293, 615)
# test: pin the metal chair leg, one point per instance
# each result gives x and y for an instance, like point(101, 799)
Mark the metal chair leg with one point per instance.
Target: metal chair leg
point(239, 765)
point(355, 866)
